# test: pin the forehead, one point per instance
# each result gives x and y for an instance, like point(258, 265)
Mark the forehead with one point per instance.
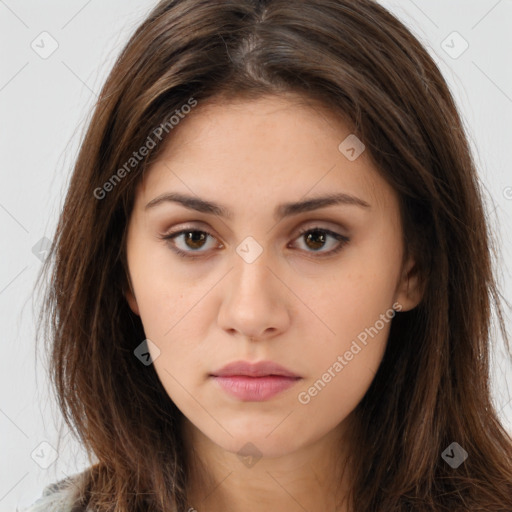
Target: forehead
point(274, 147)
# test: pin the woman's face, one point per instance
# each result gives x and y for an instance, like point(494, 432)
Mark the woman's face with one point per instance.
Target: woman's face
point(247, 179)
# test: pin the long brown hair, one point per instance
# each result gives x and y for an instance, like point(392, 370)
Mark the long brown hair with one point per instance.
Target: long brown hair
point(432, 388)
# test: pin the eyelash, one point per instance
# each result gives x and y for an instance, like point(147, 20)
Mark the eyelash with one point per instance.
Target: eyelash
point(343, 240)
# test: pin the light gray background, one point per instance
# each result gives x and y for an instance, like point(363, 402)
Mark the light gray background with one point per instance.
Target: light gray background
point(44, 104)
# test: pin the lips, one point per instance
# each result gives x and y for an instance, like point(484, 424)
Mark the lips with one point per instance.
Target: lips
point(260, 369)
point(254, 382)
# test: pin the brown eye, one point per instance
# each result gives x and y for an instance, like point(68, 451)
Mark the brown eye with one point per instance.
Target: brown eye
point(317, 238)
point(188, 241)
point(195, 239)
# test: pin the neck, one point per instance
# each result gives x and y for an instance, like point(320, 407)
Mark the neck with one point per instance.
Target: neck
point(313, 478)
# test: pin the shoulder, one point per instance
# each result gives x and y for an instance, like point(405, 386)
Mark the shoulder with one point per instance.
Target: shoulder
point(60, 496)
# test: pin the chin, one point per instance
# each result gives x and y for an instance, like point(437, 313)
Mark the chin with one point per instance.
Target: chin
point(257, 443)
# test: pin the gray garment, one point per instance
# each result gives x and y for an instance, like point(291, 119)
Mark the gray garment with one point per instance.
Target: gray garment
point(62, 496)
point(56, 497)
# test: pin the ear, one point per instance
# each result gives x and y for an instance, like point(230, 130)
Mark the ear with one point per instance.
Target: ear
point(130, 297)
point(409, 291)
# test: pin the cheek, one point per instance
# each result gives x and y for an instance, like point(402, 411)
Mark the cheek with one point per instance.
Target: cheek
point(343, 374)
point(351, 302)
point(175, 316)
point(163, 291)
point(356, 310)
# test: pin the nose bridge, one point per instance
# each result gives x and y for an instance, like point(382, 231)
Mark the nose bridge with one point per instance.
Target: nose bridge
point(256, 302)
point(252, 273)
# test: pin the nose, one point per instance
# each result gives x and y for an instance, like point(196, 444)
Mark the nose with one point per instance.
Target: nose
point(255, 302)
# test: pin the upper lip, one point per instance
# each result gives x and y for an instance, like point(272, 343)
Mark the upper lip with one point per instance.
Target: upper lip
point(259, 369)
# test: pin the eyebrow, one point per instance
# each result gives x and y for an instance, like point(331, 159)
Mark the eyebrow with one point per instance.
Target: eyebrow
point(281, 211)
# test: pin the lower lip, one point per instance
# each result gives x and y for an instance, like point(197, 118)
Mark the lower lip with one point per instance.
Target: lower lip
point(255, 389)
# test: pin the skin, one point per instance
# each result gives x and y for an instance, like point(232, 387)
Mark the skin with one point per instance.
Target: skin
point(290, 305)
